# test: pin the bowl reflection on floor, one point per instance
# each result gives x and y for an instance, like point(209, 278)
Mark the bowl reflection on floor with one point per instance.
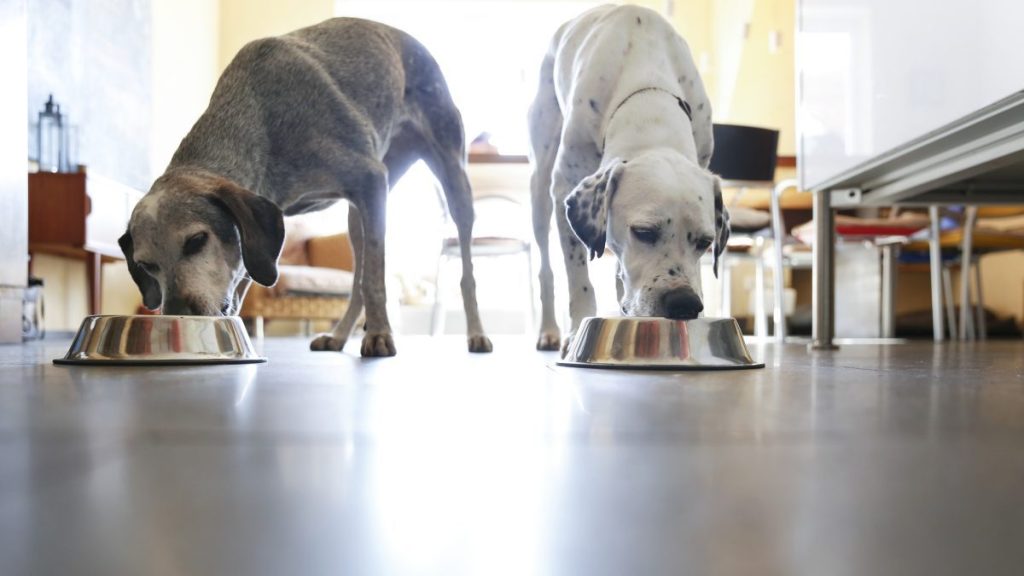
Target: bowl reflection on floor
point(161, 340)
point(659, 343)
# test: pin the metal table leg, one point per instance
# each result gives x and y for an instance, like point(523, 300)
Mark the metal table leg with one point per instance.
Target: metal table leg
point(823, 328)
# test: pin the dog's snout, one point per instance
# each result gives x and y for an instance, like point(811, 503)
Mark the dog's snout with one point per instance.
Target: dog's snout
point(179, 306)
point(681, 304)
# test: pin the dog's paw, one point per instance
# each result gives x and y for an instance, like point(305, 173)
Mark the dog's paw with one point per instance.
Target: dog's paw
point(548, 341)
point(378, 345)
point(326, 342)
point(480, 343)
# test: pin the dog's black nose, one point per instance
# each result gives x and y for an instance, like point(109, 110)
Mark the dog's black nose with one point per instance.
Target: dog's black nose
point(681, 304)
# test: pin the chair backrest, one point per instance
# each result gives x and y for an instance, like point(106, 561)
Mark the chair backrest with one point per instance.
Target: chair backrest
point(744, 153)
point(496, 215)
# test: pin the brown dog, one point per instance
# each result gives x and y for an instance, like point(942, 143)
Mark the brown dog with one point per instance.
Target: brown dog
point(335, 111)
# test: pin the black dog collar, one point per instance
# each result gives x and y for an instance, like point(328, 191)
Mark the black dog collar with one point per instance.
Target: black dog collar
point(683, 104)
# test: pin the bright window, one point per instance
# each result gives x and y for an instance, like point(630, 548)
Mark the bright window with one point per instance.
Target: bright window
point(489, 51)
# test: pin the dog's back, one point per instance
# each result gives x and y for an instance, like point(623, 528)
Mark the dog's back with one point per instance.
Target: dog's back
point(304, 98)
point(609, 52)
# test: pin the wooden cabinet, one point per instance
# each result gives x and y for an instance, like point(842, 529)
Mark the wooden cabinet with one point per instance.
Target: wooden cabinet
point(81, 216)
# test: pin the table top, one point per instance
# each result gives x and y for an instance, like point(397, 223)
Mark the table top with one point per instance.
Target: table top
point(978, 158)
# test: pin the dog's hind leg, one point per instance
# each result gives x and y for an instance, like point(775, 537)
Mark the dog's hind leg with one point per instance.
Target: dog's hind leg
point(444, 152)
point(545, 120)
point(335, 341)
point(450, 170)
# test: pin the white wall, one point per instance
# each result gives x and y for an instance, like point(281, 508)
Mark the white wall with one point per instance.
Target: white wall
point(185, 70)
point(13, 151)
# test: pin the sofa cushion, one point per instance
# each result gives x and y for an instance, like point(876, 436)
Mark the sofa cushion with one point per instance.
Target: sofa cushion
point(297, 232)
point(743, 219)
point(312, 281)
point(334, 251)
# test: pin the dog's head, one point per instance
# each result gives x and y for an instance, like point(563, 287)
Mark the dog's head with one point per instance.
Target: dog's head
point(195, 241)
point(659, 214)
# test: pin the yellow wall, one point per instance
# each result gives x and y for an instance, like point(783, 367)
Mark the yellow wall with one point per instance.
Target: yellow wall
point(245, 20)
point(747, 80)
point(64, 291)
point(763, 85)
point(1003, 283)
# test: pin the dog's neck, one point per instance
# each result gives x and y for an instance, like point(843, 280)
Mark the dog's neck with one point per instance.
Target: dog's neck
point(229, 143)
point(649, 118)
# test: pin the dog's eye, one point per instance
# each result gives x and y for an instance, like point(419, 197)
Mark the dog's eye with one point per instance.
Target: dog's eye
point(704, 243)
point(644, 234)
point(194, 244)
point(149, 268)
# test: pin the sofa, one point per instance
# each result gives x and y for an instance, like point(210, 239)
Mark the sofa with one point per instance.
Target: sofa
point(315, 282)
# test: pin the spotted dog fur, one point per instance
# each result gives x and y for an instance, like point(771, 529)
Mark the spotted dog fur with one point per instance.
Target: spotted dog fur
point(587, 206)
point(621, 138)
point(335, 111)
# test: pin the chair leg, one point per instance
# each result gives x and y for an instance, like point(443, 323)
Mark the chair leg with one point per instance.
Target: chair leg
point(259, 328)
point(779, 302)
point(760, 314)
point(437, 314)
point(778, 243)
point(532, 308)
point(966, 326)
point(935, 270)
point(726, 284)
point(947, 283)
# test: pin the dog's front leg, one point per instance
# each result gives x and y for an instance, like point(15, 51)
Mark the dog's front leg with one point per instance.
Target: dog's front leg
point(582, 302)
point(550, 336)
point(371, 202)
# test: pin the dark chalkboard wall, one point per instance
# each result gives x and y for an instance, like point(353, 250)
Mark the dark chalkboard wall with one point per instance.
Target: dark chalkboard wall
point(94, 56)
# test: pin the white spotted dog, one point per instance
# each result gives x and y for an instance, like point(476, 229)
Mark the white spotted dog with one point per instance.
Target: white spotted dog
point(620, 143)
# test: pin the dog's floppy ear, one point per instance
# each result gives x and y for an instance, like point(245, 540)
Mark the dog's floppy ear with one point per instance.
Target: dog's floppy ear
point(586, 207)
point(148, 286)
point(260, 225)
point(721, 224)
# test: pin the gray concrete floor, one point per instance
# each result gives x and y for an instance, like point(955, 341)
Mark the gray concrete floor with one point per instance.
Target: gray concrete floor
point(906, 459)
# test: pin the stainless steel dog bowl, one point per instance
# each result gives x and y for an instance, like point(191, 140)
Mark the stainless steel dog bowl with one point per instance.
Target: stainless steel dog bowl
point(158, 340)
point(639, 343)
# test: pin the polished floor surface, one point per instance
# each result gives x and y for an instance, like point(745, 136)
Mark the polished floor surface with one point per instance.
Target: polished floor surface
point(905, 459)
